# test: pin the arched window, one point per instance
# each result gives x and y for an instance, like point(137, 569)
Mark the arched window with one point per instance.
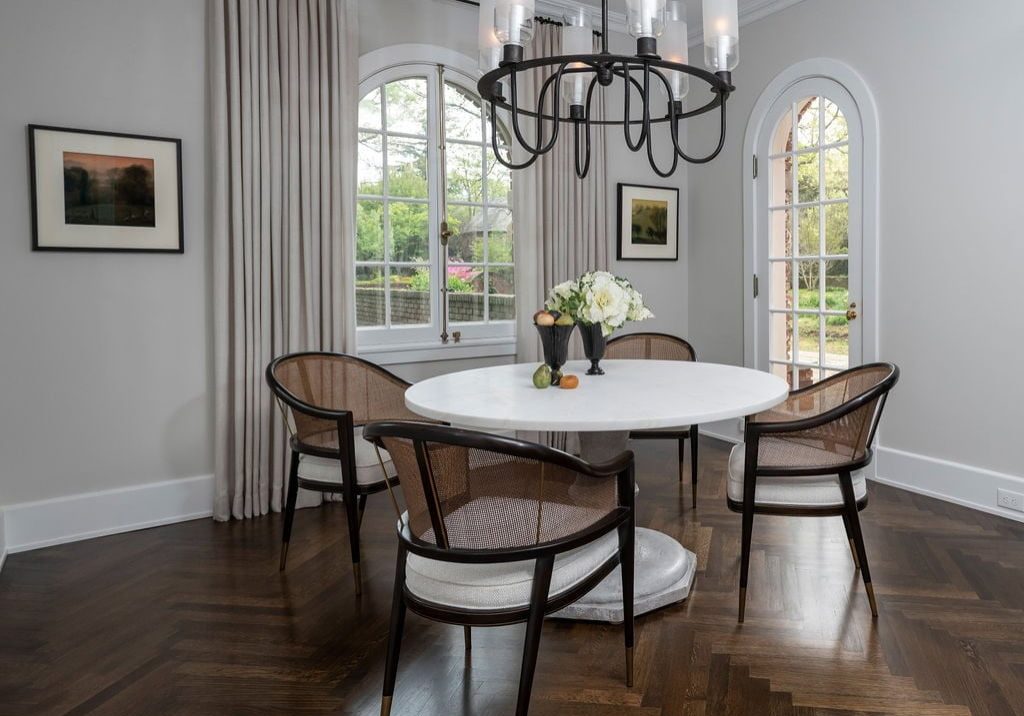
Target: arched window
point(433, 254)
point(810, 232)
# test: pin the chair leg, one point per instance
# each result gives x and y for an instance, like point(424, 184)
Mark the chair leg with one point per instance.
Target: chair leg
point(850, 502)
point(849, 539)
point(289, 507)
point(362, 508)
point(682, 455)
point(749, 492)
point(693, 463)
point(535, 621)
point(352, 515)
point(467, 637)
point(627, 555)
point(394, 633)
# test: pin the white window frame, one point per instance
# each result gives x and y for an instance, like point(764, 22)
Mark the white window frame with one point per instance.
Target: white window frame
point(411, 344)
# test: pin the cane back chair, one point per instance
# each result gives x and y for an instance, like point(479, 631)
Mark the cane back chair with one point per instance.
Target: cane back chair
point(326, 399)
point(499, 531)
point(805, 457)
point(661, 346)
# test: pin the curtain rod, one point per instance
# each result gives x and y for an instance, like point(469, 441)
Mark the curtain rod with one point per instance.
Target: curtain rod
point(538, 18)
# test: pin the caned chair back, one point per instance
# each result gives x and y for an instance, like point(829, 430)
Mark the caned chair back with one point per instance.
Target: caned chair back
point(650, 346)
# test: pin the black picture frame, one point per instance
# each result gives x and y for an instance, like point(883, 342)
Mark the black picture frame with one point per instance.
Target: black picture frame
point(626, 250)
point(38, 245)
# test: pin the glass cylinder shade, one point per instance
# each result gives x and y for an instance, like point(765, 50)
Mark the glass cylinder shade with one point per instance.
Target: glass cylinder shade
point(490, 47)
point(577, 39)
point(721, 35)
point(674, 47)
point(645, 18)
point(513, 21)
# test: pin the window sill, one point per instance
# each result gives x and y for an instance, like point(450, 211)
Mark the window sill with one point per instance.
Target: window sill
point(395, 354)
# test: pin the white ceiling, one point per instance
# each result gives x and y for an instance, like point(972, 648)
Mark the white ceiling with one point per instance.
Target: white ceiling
point(749, 10)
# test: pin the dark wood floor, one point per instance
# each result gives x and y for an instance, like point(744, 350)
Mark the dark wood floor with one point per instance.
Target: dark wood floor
point(195, 619)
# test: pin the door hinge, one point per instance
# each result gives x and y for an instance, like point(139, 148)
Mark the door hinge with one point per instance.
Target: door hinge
point(756, 291)
point(755, 166)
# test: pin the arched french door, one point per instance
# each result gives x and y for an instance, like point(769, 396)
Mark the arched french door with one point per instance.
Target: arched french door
point(808, 233)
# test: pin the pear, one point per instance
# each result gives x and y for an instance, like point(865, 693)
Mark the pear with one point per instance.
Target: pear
point(564, 320)
point(542, 377)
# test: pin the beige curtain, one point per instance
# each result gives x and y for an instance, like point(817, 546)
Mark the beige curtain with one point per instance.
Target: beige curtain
point(560, 220)
point(284, 95)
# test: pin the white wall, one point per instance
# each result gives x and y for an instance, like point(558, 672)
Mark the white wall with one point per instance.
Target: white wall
point(104, 358)
point(944, 75)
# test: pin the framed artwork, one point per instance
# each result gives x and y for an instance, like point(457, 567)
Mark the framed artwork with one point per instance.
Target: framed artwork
point(104, 191)
point(648, 220)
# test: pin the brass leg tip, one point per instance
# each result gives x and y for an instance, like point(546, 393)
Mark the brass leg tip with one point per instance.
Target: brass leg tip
point(853, 551)
point(743, 604)
point(629, 667)
point(385, 706)
point(871, 599)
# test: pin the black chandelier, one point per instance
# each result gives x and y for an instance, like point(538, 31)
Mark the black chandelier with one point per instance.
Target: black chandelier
point(507, 25)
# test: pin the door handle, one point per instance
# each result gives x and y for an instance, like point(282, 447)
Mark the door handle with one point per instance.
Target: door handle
point(851, 312)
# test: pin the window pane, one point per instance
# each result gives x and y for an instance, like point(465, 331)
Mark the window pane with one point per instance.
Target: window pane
point(808, 325)
point(410, 295)
point(807, 123)
point(807, 177)
point(461, 114)
point(780, 285)
point(371, 164)
point(783, 371)
point(782, 181)
point(369, 296)
point(465, 297)
point(410, 231)
point(837, 285)
point(369, 231)
point(499, 236)
point(780, 339)
point(835, 129)
point(837, 172)
point(781, 242)
point(369, 111)
point(808, 285)
point(501, 294)
point(464, 163)
point(782, 140)
point(837, 342)
point(407, 106)
point(837, 225)
point(810, 230)
point(806, 377)
point(407, 167)
point(499, 180)
point(467, 226)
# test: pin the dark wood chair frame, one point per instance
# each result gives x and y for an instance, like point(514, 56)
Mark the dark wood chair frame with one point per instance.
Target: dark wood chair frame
point(353, 494)
point(621, 519)
point(753, 431)
point(678, 435)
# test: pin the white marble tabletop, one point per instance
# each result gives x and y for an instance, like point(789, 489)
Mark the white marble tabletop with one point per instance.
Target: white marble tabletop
point(631, 395)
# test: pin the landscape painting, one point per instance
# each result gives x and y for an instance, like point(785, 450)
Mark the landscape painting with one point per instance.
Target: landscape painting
point(648, 223)
point(108, 190)
point(105, 191)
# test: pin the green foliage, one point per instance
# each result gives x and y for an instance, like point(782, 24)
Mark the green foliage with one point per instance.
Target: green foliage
point(421, 282)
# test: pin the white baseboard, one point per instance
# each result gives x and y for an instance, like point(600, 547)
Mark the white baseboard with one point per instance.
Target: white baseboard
point(3, 540)
point(32, 525)
point(966, 485)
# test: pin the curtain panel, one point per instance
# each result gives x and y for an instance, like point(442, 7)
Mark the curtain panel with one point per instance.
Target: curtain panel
point(284, 97)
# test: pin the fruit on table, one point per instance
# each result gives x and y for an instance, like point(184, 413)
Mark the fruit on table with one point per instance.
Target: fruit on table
point(564, 320)
point(543, 318)
point(542, 377)
point(569, 382)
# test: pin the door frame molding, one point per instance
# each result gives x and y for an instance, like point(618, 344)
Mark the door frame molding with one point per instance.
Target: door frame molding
point(864, 102)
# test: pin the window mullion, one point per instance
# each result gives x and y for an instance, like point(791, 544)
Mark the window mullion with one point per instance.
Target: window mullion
point(440, 200)
point(385, 204)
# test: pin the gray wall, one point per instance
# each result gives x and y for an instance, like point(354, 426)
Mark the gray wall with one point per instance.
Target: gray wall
point(945, 76)
point(104, 358)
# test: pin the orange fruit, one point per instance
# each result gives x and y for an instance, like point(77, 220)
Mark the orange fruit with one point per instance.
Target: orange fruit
point(569, 382)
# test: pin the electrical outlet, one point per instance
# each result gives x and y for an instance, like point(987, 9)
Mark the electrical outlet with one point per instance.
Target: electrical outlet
point(1010, 500)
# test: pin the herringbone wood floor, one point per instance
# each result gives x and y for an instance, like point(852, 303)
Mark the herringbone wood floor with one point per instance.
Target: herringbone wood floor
point(195, 619)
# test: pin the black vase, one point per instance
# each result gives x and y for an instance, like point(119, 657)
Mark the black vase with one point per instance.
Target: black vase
point(555, 342)
point(593, 346)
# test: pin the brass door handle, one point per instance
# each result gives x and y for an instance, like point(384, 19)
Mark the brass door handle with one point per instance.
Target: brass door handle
point(851, 312)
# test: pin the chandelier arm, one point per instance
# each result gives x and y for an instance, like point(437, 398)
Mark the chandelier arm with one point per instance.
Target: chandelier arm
point(645, 122)
point(672, 124)
point(540, 148)
point(718, 149)
point(587, 116)
point(508, 163)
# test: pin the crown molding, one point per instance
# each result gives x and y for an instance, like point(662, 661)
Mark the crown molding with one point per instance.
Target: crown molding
point(557, 8)
point(749, 12)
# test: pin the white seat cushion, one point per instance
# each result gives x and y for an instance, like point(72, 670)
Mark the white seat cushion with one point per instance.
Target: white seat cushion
point(504, 585)
point(813, 491)
point(368, 472)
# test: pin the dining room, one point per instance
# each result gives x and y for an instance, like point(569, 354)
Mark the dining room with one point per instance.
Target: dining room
point(437, 357)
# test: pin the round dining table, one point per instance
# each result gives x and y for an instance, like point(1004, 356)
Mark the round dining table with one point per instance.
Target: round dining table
point(631, 395)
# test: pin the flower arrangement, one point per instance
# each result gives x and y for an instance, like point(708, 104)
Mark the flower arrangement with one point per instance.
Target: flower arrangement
point(598, 297)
